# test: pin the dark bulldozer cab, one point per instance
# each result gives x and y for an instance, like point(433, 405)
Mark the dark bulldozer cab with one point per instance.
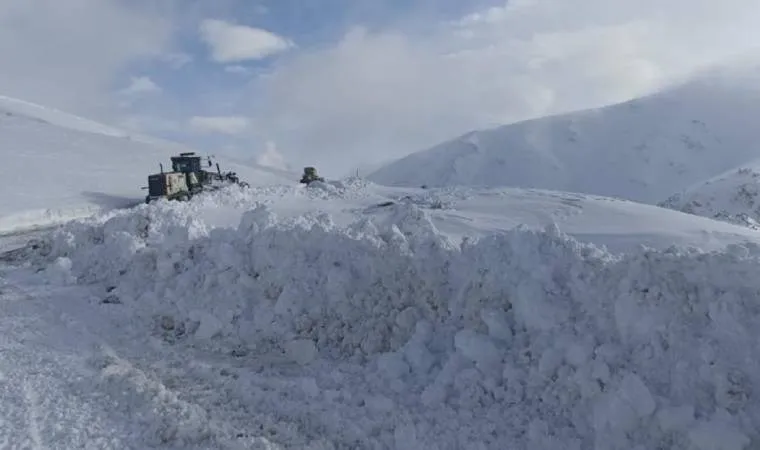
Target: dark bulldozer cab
point(309, 175)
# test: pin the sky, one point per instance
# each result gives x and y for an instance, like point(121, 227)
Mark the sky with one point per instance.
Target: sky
point(347, 84)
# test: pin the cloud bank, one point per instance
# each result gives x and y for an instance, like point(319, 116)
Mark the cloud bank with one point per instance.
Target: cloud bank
point(68, 54)
point(234, 43)
point(382, 89)
point(379, 94)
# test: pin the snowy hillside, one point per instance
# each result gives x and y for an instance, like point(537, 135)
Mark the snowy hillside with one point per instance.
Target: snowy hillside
point(16, 107)
point(56, 166)
point(731, 197)
point(643, 150)
point(347, 315)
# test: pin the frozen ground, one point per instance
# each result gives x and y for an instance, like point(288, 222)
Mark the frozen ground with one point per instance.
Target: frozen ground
point(347, 315)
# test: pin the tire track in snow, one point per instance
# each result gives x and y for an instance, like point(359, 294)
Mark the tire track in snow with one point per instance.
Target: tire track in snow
point(33, 416)
point(155, 415)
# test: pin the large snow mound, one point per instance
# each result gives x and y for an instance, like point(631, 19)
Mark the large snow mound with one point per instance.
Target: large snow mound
point(522, 339)
point(56, 166)
point(643, 150)
point(731, 197)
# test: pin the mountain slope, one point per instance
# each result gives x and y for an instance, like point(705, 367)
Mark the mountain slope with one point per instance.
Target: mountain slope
point(57, 166)
point(642, 150)
point(733, 197)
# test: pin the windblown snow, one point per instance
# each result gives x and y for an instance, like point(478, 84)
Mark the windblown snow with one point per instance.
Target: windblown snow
point(731, 197)
point(643, 150)
point(368, 317)
point(56, 166)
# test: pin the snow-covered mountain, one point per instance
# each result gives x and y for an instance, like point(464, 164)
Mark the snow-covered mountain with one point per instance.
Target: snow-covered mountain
point(57, 166)
point(16, 107)
point(644, 150)
point(733, 197)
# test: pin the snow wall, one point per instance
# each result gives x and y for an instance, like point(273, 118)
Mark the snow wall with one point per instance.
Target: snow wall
point(529, 337)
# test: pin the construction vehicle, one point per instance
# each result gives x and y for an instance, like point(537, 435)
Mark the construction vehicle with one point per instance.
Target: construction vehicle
point(309, 175)
point(187, 178)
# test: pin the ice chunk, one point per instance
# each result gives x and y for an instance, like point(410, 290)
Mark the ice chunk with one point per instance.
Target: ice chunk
point(208, 325)
point(380, 403)
point(550, 360)
point(416, 352)
point(635, 393)
point(405, 437)
point(392, 365)
point(302, 351)
point(676, 418)
point(577, 354)
point(497, 323)
point(310, 387)
point(621, 410)
point(717, 435)
point(436, 392)
point(478, 348)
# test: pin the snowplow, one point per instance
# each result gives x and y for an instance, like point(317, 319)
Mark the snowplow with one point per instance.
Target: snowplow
point(310, 175)
point(187, 178)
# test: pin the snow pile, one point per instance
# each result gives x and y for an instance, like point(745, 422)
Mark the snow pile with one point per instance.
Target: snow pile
point(527, 339)
point(642, 150)
point(731, 197)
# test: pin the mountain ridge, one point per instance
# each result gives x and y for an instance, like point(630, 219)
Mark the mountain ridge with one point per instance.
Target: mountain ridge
point(643, 149)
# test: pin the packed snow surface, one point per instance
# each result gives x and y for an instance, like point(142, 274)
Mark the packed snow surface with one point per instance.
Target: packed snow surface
point(345, 315)
point(643, 150)
point(731, 197)
point(56, 166)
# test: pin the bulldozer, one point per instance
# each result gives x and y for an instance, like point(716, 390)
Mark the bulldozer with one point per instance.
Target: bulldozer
point(310, 175)
point(187, 178)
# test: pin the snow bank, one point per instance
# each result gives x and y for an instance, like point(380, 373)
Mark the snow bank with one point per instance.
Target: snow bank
point(731, 197)
point(527, 339)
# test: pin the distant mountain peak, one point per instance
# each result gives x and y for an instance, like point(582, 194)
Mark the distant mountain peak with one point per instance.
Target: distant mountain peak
point(643, 150)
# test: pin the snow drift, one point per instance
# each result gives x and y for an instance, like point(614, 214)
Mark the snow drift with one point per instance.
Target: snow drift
point(524, 339)
point(56, 166)
point(731, 197)
point(642, 150)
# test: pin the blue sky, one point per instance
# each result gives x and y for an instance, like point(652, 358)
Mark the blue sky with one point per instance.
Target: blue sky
point(194, 81)
point(344, 83)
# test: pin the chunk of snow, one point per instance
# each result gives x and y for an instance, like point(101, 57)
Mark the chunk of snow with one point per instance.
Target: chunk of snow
point(478, 348)
point(716, 435)
point(302, 351)
point(208, 325)
point(676, 418)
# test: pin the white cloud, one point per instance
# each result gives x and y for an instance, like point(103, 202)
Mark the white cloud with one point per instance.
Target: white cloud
point(141, 85)
point(220, 124)
point(237, 69)
point(230, 43)
point(385, 93)
point(67, 54)
point(177, 60)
